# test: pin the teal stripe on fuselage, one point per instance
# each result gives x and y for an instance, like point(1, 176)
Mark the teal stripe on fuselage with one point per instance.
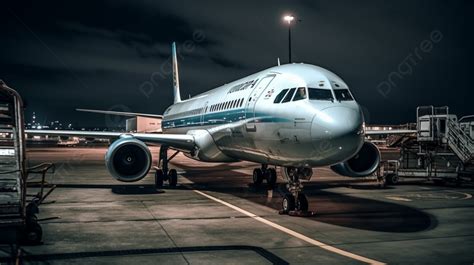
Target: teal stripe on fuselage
point(217, 118)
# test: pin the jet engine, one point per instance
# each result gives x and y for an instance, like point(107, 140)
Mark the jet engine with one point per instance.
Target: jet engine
point(364, 163)
point(128, 159)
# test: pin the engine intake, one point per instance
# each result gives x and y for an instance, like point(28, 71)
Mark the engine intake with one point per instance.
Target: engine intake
point(364, 163)
point(128, 159)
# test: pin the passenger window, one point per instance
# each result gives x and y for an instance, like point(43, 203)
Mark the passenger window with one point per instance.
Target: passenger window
point(289, 95)
point(343, 94)
point(300, 94)
point(280, 96)
point(320, 94)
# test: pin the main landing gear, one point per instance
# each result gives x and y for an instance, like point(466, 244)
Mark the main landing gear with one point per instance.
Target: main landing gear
point(269, 174)
point(163, 173)
point(295, 202)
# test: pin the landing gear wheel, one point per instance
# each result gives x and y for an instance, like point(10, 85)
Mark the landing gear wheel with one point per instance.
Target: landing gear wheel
point(257, 176)
point(33, 233)
point(391, 179)
point(271, 177)
point(159, 178)
point(439, 182)
point(302, 203)
point(288, 203)
point(173, 177)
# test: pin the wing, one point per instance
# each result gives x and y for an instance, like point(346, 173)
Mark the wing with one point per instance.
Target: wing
point(179, 141)
point(120, 113)
point(380, 132)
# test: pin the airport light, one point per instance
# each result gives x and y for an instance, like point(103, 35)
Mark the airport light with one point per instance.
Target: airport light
point(288, 19)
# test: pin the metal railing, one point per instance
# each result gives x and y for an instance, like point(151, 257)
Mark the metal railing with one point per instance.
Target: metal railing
point(460, 142)
point(12, 117)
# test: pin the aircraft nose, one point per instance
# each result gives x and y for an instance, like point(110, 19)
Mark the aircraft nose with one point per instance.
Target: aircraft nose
point(338, 130)
point(336, 122)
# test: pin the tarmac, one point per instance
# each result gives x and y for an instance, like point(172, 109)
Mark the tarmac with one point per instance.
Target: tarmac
point(216, 216)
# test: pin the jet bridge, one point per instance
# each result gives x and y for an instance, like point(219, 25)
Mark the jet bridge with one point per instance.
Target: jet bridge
point(442, 149)
point(18, 221)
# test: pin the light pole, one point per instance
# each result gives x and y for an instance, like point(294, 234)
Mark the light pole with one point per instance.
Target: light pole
point(289, 19)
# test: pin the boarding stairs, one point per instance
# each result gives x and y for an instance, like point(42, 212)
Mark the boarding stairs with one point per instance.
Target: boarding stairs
point(12, 166)
point(460, 142)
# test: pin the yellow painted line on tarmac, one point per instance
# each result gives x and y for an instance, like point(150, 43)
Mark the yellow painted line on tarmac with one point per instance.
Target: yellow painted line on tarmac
point(293, 233)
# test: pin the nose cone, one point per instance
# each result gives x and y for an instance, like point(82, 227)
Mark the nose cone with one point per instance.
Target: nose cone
point(336, 133)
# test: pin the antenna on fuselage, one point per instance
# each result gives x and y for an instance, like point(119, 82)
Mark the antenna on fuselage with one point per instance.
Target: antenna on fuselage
point(176, 93)
point(278, 60)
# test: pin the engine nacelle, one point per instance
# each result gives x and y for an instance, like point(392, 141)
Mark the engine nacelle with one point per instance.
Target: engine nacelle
point(128, 159)
point(364, 163)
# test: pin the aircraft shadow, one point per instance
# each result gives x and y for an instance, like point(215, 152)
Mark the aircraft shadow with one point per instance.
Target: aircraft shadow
point(330, 207)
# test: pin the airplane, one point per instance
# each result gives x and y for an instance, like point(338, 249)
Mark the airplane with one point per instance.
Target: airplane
point(293, 116)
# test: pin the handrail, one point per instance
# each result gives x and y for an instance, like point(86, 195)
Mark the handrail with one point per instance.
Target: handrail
point(42, 168)
point(461, 143)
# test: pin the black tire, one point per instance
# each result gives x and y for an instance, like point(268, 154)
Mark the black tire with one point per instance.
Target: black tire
point(173, 177)
point(391, 179)
point(302, 203)
point(257, 176)
point(159, 178)
point(288, 203)
point(33, 233)
point(439, 182)
point(271, 177)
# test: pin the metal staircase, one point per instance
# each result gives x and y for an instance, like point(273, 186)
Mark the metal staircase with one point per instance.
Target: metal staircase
point(460, 142)
point(12, 159)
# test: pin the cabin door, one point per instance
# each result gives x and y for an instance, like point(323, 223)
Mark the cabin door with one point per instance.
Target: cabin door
point(250, 115)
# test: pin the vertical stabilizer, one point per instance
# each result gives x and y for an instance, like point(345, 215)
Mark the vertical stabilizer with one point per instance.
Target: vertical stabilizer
point(177, 94)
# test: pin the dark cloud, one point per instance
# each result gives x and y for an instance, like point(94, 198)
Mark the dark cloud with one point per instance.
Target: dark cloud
point(102, 54)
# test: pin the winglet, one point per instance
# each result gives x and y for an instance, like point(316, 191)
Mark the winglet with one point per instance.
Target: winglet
point(177, 94)
point(278, 61)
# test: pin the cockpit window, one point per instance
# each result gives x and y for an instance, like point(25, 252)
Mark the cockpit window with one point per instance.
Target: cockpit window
point(343, 94)
point(320, 94)
point(280, 96)
point(300, 94)
point(289, 95)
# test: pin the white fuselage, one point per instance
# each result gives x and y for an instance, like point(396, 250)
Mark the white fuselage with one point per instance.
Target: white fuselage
point(316, 122)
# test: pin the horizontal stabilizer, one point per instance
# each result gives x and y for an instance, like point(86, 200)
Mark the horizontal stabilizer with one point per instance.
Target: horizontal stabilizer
point(121, 113)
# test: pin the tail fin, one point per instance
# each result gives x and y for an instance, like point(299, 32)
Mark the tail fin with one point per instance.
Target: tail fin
point(177, 94)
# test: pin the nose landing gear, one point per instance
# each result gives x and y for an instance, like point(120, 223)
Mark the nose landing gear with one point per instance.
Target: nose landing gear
point(295, 203)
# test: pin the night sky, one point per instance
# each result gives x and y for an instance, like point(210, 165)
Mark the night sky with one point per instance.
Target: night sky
point(115, 55)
